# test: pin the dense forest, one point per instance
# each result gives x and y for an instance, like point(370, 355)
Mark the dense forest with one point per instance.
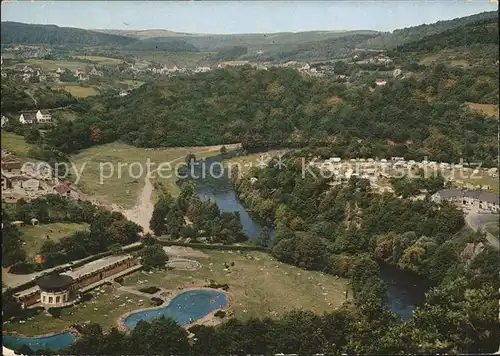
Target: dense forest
point(21, 33)
point(414, 117)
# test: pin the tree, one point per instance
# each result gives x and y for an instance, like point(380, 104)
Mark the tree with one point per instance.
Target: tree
point(264, 236)
point(153, 256)
point(190, 158)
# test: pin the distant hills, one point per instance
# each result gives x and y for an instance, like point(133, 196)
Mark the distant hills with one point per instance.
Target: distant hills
point(310, 46)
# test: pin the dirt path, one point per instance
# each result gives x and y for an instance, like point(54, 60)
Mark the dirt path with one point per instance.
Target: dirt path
point(141, 213)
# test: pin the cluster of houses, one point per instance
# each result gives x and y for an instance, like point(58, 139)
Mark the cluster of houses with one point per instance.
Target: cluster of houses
point(467, 199)
point(376, 169)
point(31, 118)
point(31, 180)
point(33, 73)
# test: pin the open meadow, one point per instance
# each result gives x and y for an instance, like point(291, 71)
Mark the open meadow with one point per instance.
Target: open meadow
point(15, 144)
point(35, 236)
point(101, 60)
point(486, 109)
point(258, 284)
point(52, 65)
point(80, 92)
point(126, 167)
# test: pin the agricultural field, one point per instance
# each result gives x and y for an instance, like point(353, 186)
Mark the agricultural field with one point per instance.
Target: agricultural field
point(101, 60)
point(486, 109)
point(123, 164)
point(105, 308)
point(81, 92)
point(181, 59)
point(16, 145)
point(493, 228)
point(259, 285)
point(52, 65)
point(35, 236)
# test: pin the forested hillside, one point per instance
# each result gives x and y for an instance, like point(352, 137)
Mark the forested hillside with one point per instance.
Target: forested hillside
point(280, 108)
point(21, 33)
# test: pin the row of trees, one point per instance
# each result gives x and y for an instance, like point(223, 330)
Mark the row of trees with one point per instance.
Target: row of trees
point(204, 219)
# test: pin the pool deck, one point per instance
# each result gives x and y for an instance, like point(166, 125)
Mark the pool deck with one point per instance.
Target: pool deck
point(208, 319)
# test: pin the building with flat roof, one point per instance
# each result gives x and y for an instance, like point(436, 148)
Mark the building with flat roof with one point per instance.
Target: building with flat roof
point(59, 290)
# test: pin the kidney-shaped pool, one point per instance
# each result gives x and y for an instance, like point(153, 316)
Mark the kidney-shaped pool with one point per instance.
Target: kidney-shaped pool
point(184, 308)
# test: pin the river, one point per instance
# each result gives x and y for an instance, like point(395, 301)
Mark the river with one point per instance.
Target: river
point(405, 291)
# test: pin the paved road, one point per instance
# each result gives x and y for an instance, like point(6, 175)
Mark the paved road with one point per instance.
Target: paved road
point(477, 221)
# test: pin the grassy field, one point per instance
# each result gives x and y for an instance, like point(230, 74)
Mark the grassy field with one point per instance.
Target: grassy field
point(101, 60)
point(35, 236)
point(133, 84)
point(181, 59)
point(104, 308)
point(486, 109)
point(80, 92)
point(493, 228)
point(52, 65)
point(15, 144)
point(125, 181)
point(259, 285)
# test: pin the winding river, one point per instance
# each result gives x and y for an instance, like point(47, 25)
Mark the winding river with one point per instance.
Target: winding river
point(404, 290)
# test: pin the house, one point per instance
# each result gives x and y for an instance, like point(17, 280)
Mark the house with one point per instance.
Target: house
point(43, 117)
point(469, 198)
point(27, 118)
point(380, 82)
point(123, 93)
point(63, 190)
point(31, 184)
point(12, 167)
point(59, 71)
point(5, 121)
point(6, 183)
point(95, 72)
point(202, 70)
point(397, 72)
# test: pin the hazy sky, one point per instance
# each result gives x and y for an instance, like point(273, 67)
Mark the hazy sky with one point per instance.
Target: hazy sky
point(241, 16)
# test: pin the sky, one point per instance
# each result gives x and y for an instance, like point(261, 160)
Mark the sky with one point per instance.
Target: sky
point(224, 17)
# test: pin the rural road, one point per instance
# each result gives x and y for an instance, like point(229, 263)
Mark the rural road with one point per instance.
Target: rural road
point(141, 213)
point(477, 222)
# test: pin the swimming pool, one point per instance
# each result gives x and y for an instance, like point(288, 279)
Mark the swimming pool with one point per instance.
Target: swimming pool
point(54, 342)
point(184, 308)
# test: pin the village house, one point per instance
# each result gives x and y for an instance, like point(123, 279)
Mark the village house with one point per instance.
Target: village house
point(469, 198)
point(5, 121)
point(59, 71)
point(27, 118)
point(31, 185)
point(380, 82)
point(202, 70)
point(6, 183)
point(123, 93)
point(43, 117)
point(11, 166)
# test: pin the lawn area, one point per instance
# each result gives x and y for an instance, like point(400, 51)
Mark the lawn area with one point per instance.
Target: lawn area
point(125, 180)
point(486, 109)
point(132, 84)
point(35, 236)
point(258, 284)
point(52, 65)
point(101, 60)
point(181, 59)
point(80, 92)
point(15, 144)
point(104, 308)
point(493, 228)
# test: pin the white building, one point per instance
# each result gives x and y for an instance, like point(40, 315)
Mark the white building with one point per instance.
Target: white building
point(43, 117)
